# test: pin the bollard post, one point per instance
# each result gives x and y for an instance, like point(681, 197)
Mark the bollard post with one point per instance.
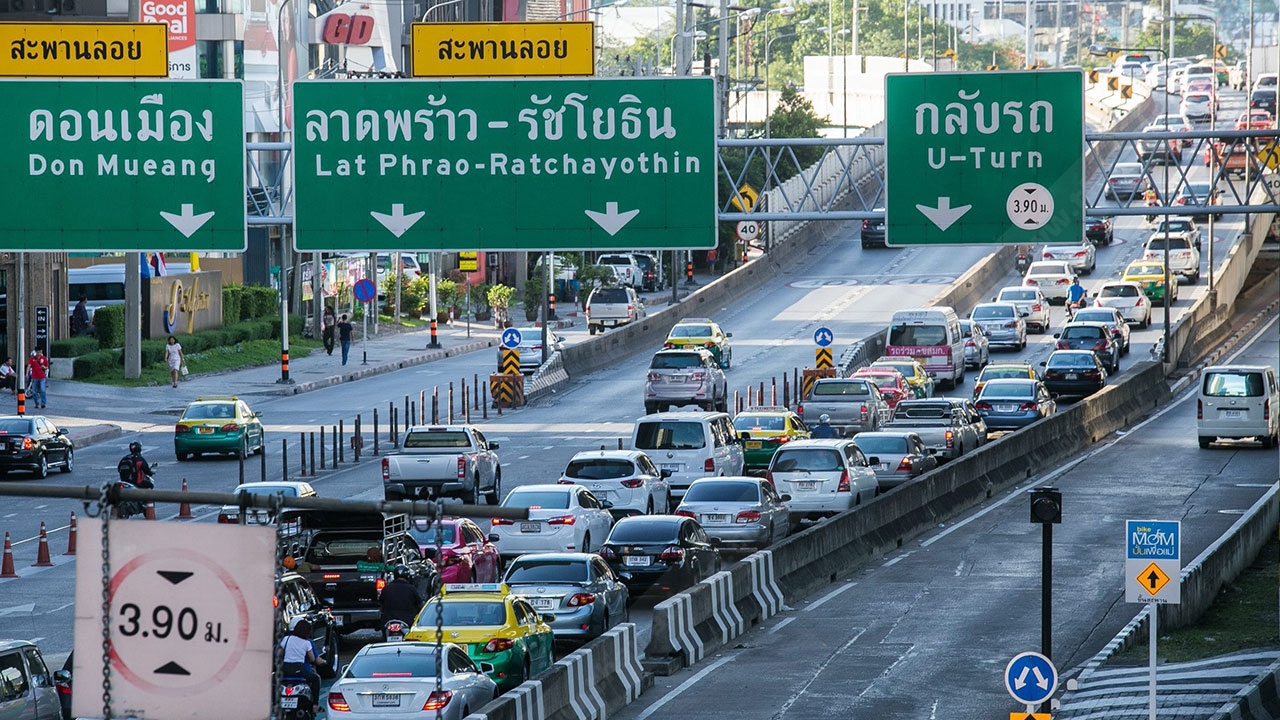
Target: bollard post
point(357, 438)
point(795, 383)
point(240, 462)
point(375, 429)
point(475, 385)
point(321, 447)
point(786, 390)
point(435, 404)
point(411, 415)
point(484, 408)
point(773, 391)
point(333, 433)
point(408, 412)
point(450, 422)
point(466, 406)
point(737, 403)
point(284, 457)
point(760, 394)
point(395, 428)
point(302, 455)
point(422, 407)
point(341, 438)
point(313, 453)
point(619, 443)
point(391, 424)
point(263, 463)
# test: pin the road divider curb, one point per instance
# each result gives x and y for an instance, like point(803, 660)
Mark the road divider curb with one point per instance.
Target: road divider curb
point(383, 368)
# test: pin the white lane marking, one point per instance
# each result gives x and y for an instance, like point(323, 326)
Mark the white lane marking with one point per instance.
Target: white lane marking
point(679, 689)
point(6, 517)
point(549, 447)
point(1254, 485)
point(897, 560)
point(41, 507)
point(818, 603)
point(782, 624)
point(817, 674)
point(523, 457)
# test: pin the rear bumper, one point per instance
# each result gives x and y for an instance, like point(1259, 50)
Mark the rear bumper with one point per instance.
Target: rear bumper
point(744, 535)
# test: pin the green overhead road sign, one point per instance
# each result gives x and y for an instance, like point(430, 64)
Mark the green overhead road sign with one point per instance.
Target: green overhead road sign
point(505, 164)
point(978, 158)
point(109, 165)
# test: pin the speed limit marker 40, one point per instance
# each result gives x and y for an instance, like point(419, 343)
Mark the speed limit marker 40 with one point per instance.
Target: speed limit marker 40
point(748, 230)
point(191, 621)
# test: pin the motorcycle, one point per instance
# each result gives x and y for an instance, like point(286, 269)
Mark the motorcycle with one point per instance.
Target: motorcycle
point(1024, 261)
point(128, 508)
point(394, 631)
point(296, 702)
point(1072, 308)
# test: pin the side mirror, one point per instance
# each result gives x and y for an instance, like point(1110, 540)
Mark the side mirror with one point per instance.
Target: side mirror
point(606, 504)
point(494, 537)
point(62, 677)
point(744, 436)
point(1025, 314)
point(257, 415)
point(932, 451)
point(493, 446)
point(1055, 335)
point(343, 670)
point(728, 334)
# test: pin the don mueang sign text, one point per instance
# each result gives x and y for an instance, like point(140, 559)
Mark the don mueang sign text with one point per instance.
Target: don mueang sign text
point(84, 50)
point(506, 48)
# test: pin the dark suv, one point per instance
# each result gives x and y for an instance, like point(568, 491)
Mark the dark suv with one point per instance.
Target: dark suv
point(297, 601)
point(649, 271)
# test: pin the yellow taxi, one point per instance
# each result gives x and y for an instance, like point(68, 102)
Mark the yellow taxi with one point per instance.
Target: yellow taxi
point(1150, 275)
point(767, 429)
point(704, 333)
point(218, 424)
point(1001, 370)
point(499, 629)
point(920, 382)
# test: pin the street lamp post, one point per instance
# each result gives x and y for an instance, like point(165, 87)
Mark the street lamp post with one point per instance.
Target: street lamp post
point(786, 12)
point(1164, 199)
point(696, 35)
point(433, 8)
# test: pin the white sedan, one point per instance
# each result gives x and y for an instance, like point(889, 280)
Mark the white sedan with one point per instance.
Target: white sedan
point(562, 518)
point(1082, 257)
point(1052, 277)
point(398, 679)
point(1127, 297)
point(230, 514)
point(628, 479)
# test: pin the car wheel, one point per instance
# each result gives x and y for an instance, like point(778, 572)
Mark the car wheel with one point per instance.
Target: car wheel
point(243, 452)
point(469, 496)
point(650, 408)
point(1205, 442)
point(182, 457)
point(330, 668)
point(586, 543)
point(1269, 441)
point(493, 497)
point(69, 462)
point(42, 468)
point(648, 507)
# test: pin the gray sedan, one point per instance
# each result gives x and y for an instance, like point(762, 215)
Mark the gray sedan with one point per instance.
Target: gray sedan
point(388, 679)
point(580, 590)
point(738, 512)
point(902, 456)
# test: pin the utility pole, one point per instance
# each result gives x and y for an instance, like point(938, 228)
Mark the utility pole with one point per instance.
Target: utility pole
point(722, 71)
point(132, 315)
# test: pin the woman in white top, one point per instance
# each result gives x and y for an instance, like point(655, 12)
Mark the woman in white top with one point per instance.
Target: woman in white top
point(298, 657)
point(173, 355)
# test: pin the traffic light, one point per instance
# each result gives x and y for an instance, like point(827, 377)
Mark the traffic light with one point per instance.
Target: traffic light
point(1046, 506)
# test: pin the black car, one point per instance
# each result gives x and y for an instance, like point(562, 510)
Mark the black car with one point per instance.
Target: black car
point(1200, 196)
point(873, 234)
point(1091, 336)
point(666, 552)
point(297, 601)
point(1073, 373)
point(1098, 230)
point(649, 271)
point(1264, 99)
point(34, 444)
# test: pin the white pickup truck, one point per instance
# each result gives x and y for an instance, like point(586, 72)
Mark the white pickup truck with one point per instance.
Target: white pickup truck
point(612, 307)
point(625, 268)
point(440, 460)
point(1184, 258)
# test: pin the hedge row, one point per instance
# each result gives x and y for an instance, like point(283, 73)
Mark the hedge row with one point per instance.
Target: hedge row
point(231, 302)
point(72, 347)
point(248, 302)
point(153, 350)
point(108, 326)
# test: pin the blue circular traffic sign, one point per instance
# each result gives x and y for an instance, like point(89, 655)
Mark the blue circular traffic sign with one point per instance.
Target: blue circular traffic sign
point(1031, 678)
point(823, 337)
point(511, 338)
point(365, 290)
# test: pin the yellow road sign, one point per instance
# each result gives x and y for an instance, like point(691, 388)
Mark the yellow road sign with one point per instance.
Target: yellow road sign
point(468, 261)
point(746, 198)
point(1220, 51)
point(504, 48)
point(41, 49)
point(1126, 91)
point(1093, 77)
point(1113, 83)
point(1269, 155)
point(822, 358)
point(510, 364)
point(992, 68)
point(1152, 578)
point(1029, 716)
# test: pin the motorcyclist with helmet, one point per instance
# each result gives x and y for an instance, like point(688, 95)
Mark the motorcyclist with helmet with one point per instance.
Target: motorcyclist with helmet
point(134, 468)
point(1075, 297)
point(823, 429)
point(400, 600)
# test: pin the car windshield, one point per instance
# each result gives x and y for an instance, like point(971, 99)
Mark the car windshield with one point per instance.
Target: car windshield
point(1081, 332)
point(1012, 295)
point(467, 613)
point(15, 427)
point(690, 331)
point(744, 423)
point(599, 468)
point(257, 489)
point(210, 411)
point(675, 361)
point(424, 532)
point(1047, 268)
point(993, 312)
point(807, 460)
point(406, 662)
point(549, 570)
point(643, 530)
point(1196, 98)
point(995, 373)
point(1145, 270)
point(831, 389)
point(1233, 383)
point(1120, 291)
point(1127, 169)
point(670, 435)
point(610, 295)
point(1103, 316)
point(881, 380)
point(1020, 391)
point(437, 439)
point(917, 335)
point(1070, 360)
point(723, 491)
point(907, 369)
point(551, 499)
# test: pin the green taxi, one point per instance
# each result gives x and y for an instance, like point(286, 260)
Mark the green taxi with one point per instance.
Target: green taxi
point(701, 332)
point(500, 630)
point(767, 429)
point(218, 424)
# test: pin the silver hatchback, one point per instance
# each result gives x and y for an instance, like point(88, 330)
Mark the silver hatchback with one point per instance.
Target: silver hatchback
point(902, 455)
point(823, 477)
point(685, 377)
point(738, 512)
point(1002, 322)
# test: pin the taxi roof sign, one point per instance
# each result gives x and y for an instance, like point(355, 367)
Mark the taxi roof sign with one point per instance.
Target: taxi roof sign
point(475, 587)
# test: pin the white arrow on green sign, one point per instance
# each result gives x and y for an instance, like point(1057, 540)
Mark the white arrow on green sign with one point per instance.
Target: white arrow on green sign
point(112, 165)
point(505, 164)
point(979, 158)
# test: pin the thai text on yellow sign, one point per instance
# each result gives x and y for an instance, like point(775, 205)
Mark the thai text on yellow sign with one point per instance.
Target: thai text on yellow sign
point(505, 48)
point(84, 49)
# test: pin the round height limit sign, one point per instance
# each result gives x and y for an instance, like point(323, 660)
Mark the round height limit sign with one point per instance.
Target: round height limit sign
point(191, 621)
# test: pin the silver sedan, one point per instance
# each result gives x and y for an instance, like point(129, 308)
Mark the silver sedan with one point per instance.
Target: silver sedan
point(897, 456)
point(738, 512)
point(398, 679)
point(580, 590)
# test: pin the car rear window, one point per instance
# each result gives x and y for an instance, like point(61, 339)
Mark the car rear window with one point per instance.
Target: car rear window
point(1175, 243)
point(1044, 268)
point(1145, 270)
point(1094, 316)
point(675, 361)
point(924, 411)
point(1012, 295)
point(690, 331)
point(1118, 291)
point(345, 550)
point(437, 439)
point(997, 373)
point(599, 469)
point(670, 435)
point(1081, 332)
point(806, 459)
point(15, 427)
point(1069, 360)
point(643, 530)
point(468, 614)
point(877, 444)
point(551, 499)
point(210, 411)
point(723, 491)
point(917, 335)
point(1233, 384)
point(840, 389)
point(610, 295)
point(1007, 390)
point(759, 422)
point(412, 664)
point(535, 570)
point(989, 312)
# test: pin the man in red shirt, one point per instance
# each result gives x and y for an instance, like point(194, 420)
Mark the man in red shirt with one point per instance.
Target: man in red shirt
point(38, 374)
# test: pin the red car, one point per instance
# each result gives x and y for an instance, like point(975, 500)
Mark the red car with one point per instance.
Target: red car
point(1254, 119)
point(893, 386)
point(466, 555)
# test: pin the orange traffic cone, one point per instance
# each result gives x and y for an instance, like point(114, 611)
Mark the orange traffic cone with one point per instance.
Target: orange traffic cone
point(149, 511)
point(6, 568)
point(42, 555)
point(184, 508)
point(71, 536)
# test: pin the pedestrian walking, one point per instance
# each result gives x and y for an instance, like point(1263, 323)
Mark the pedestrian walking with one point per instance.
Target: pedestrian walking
point(326, 331)
point(344, 337)
point(38, 375)
point(177, 361)
point(80, 318)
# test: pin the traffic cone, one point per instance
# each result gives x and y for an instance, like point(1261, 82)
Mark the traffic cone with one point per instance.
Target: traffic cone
point(6, 568)
point(149, 511)
point(71, 536)
point(184, 508)
point(42, 555)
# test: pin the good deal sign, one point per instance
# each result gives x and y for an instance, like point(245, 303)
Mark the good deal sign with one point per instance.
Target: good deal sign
point(180, 17)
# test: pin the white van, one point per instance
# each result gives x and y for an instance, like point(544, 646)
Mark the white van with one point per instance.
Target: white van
point(933, 337)
point(690, 445)
point(103, 285)
point(1238, 401)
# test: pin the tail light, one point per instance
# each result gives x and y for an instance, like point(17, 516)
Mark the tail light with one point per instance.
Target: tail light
point(1092, 375)
point(1029, 282)
point(499, 644)
point(1062, 345)
point(226, 519)
point(503, 521)
point(386, 469)
point(630, 309)
point(562, 520)
point(181, 429)
point(1027, 406)
point(983, 405)
point(1062, 281)
point(1052, 374)
point(331, 576)
point(653, 377)
point(1012, 324)
point(1136, 304)
point(686, 513)
point(863, 410)
point(64, 688)
point(1046, 255)
point(607, 553)
point(462, 467)
point(394, 628)
point(671, 553)
point(230, 427)
point(668, 346)
point(380, 583)
point(768, 476)
point(779, 439)
point(708, 344)
point(844, 482)
point(562, 481)
point(969, 343)
point(588, 312)
point(698, 376)
point(582, 599)
point(905, 465)
point(337, 703)
point(866, 224)
point(747, 516)
point(1080, 254)
point(633, 483)
point(1100, 346)
point(1037, 307)
point(28, 443)
point(800, 409)
point(449, 558)
point(709, 465)
point(951, 439)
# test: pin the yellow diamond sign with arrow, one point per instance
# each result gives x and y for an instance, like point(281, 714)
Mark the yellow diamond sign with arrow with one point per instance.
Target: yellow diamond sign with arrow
point(745, 199)
point(1153, 578)
point(1269, 155)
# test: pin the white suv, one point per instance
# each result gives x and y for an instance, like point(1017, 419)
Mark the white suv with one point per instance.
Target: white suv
point(1238, 401)
point(1184, 258)
point(690, 445)
point(626, 478)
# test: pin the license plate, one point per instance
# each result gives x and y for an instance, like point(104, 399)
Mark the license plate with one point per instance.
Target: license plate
point(386, 700)
point(637, 560)
point(542, 603)
point(288, 703)
point(673, 467)
point(1233, 414)
point(1006, 408)
point(1072, 376)
point(806, 485)
point(205, 430)
point(530, 527)
point(882, 466)
point(339, 620)
point(715, 519)
point(754, 445)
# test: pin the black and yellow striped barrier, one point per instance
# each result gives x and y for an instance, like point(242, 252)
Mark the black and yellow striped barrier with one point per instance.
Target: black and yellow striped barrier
point(509, 362)
point(507, 390)
point(811, 374)
point(822, 358)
